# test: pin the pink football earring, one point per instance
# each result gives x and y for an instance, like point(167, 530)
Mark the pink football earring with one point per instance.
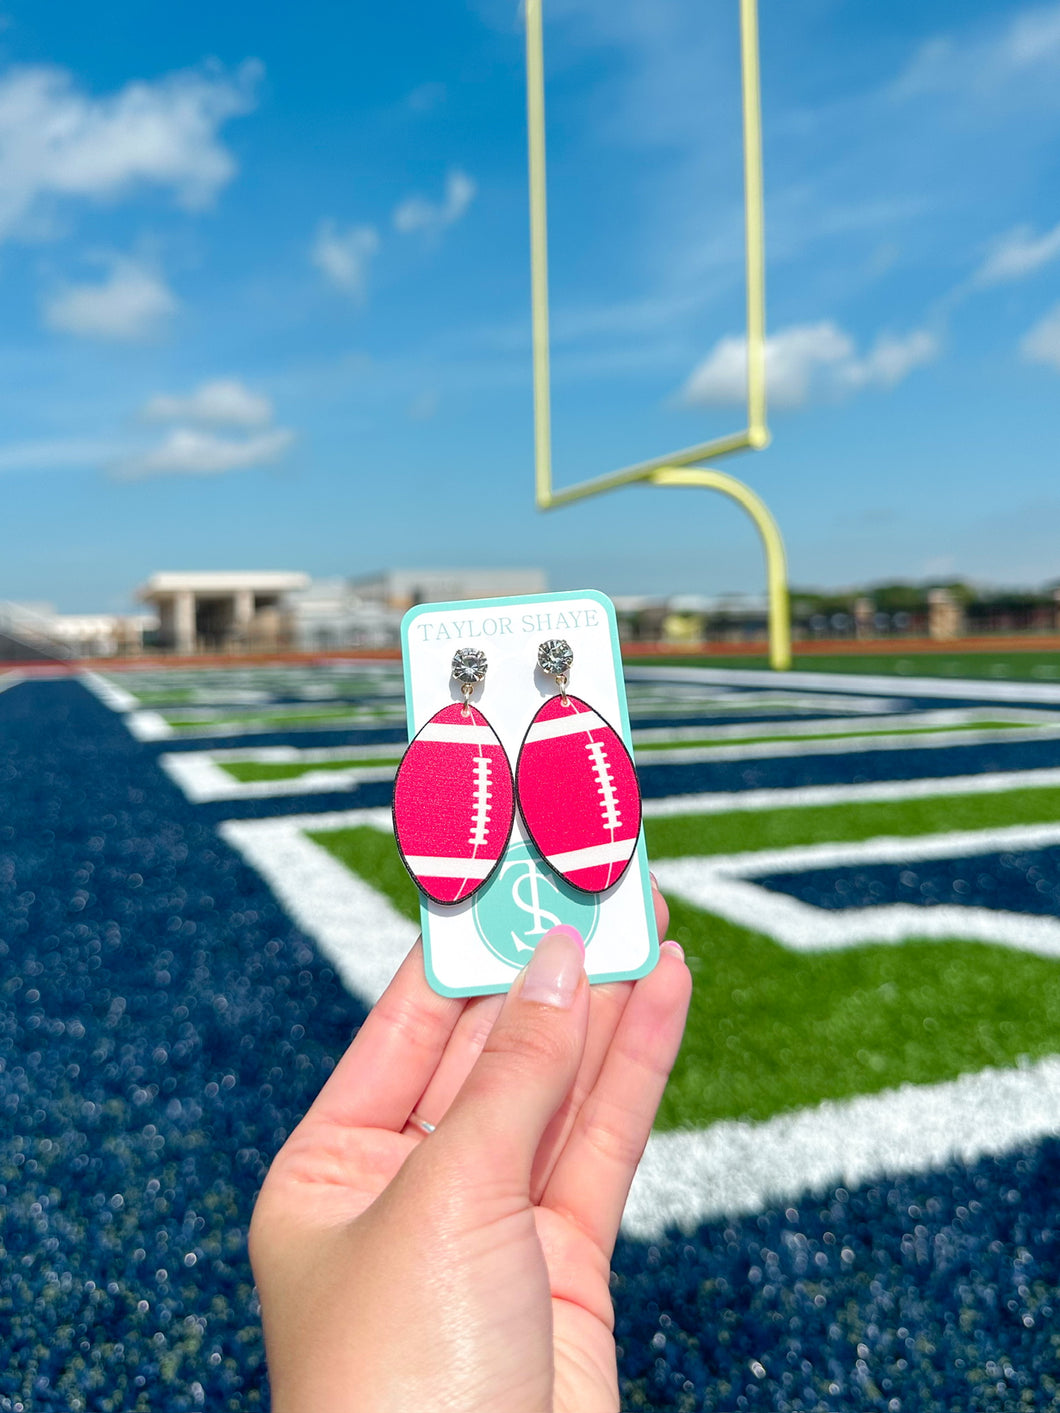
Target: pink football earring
point(576, 784)
point(453, 802)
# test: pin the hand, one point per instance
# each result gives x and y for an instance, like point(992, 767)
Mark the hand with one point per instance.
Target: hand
point(466, 1269)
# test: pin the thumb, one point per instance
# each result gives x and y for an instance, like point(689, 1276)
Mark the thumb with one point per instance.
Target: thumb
point(526, 1068)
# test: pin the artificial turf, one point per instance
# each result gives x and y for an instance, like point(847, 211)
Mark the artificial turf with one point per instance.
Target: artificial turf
point(742, 831)
point(1015, 665)
point(771, 1030)
point(795, 739)
point(248, 770)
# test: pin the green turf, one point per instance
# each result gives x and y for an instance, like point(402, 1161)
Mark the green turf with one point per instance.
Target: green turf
point(292, 770)
point(794, 740)
point(1021, 665)
point(739, 831)
point(772, 1030)
point(373, 855)
point(279, 719)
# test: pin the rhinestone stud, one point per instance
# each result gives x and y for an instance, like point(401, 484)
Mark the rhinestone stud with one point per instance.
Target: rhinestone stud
point(555, 657)
point(469, 665)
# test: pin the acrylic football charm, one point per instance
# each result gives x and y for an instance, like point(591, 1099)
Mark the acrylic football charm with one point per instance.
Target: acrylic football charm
point(453, 798)
point(578, 793)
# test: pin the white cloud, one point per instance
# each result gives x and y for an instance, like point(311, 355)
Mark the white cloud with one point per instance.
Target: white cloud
point(416, 213)
point(130, 304)
point(343, 256)
point(1017, 254)
point(223, 402)
point(803, 362)
point(187, 451)
point(1023, 50)
point(1041, 344)
point(59, 142)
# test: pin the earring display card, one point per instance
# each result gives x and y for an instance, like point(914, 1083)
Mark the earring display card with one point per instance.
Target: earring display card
point(481, 944)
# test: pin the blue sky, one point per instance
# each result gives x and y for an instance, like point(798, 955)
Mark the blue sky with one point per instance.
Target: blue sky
point(263, 272)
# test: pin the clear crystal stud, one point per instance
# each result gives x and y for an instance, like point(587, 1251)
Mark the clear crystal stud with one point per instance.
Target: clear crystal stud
point(469, 665)
point(555, 657)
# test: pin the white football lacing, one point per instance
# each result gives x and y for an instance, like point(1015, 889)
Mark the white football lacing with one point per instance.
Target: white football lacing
point(483, 794)
point(602, 768)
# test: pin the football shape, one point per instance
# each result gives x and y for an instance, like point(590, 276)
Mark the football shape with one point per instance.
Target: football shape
point(578, 794)
point(453, 804)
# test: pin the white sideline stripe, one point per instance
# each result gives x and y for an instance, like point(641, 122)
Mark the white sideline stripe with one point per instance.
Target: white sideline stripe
point(108, 692)
point(972, 688)
point(595, 854)
point(148, 725)
point(735, 1169)
point(892, 722)
point(362, 936)
point(438, 866)
point(850, 745)
point(564, 726)
point(801, 796)
point(678, 702)
point(201, 778)
point(472, 735)
point(11, 679)
point(725, 886)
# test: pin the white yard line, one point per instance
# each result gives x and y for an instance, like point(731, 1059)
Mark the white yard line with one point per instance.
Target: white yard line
point(735, 1169)
point(803, 796)
point(356, 928)
point(724, 885)
point(201, 778)
point(892, 722)
point(969, 688)
point(148, 726)
point(848, 745)
point(108, 692)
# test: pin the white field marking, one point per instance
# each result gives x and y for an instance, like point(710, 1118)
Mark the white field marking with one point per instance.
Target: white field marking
point(848, 745)
point(11, 679)
point(202, 779)
point(356, 718)
point(685, 1178)
point(804, 796)
point(724, 885)
point(951, 716)
point(148, 725)
point(108, 692)
point(967, 687)
point(678, 701)
point(290, 755)
point(735, 1169)
point(362, 936)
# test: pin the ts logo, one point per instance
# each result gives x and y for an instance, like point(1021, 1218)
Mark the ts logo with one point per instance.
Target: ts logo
point(522, 900)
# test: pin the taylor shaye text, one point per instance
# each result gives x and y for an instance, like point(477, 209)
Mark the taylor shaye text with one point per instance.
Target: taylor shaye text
point(502, 625)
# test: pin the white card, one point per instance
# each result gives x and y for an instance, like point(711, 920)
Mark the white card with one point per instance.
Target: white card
point(480, 945)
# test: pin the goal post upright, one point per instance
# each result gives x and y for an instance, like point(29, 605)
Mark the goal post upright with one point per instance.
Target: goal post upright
point(684, 467)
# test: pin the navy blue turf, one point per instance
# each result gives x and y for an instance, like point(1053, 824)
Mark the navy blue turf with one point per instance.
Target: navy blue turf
point(162, 1027)
point(1019, 881)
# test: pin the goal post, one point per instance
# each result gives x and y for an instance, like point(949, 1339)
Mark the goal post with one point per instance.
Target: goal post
point(683, 467)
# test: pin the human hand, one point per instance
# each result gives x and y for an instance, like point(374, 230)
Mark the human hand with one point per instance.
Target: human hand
point(467, 1269)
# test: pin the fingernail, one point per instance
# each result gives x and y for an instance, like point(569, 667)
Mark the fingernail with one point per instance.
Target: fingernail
point(674, 948)
point(654, 882)
point(553, 973)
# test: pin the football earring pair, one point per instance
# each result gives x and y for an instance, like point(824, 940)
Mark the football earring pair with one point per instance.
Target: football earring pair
point(454, 796)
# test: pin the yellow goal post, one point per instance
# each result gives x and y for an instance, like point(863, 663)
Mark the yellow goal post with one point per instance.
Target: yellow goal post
point(684, 467)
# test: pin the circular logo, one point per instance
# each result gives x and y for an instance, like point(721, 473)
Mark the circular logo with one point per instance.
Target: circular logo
point(522, 900)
